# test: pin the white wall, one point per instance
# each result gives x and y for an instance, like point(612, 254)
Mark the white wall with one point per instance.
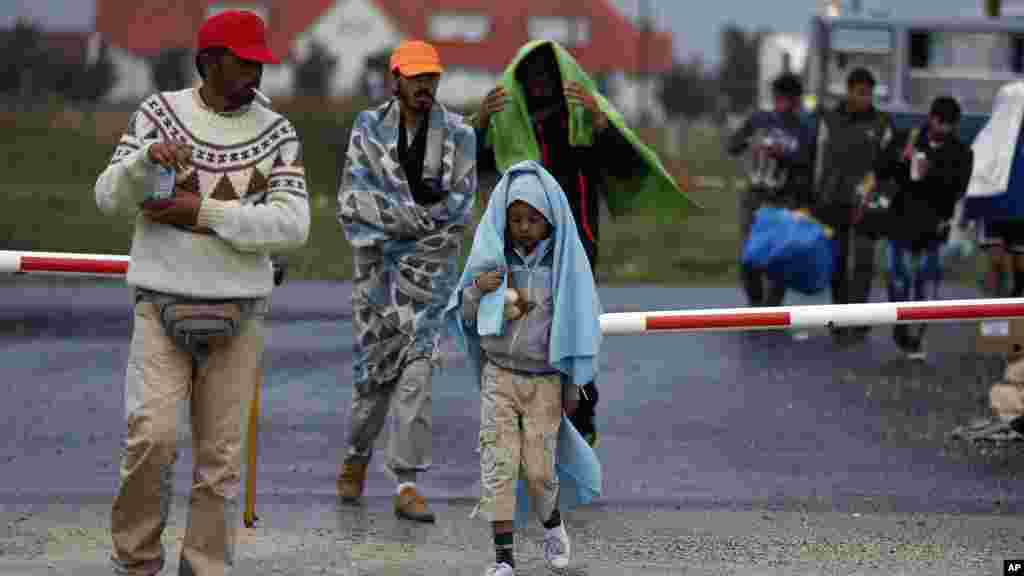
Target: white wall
point(351, 30)
point(461, 86)
point(134, 79)
point(634, 95)
point(770, 59)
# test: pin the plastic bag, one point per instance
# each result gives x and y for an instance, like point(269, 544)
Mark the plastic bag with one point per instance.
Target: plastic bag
point(791, 248)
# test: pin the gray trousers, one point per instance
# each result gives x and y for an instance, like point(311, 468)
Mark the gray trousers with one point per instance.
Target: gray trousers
point(410, 436)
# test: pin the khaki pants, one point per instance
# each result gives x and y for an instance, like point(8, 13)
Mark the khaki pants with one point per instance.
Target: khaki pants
point(520, 416)
point(1007, 397)
point(160, 376)
point(411, 438)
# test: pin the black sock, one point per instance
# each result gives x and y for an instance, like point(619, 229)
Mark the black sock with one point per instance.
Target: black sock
point(1018, 283)
point(554, 521)
point(504, 546)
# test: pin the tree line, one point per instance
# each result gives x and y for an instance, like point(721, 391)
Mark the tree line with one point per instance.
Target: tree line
point(693, 89)
point(31, 70)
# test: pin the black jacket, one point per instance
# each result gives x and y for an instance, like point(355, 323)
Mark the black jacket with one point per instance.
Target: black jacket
point(794, 168)
point(849, 146)
point(919, 210)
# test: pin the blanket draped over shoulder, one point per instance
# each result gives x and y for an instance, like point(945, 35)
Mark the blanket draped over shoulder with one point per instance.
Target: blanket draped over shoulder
point(405, 253)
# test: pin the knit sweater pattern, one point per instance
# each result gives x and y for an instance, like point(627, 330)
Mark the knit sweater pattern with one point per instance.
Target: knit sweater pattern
point(246, 166)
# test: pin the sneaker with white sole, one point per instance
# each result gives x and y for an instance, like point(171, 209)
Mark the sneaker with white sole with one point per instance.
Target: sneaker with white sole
point(918, 355)
point(500, 569)
point(557, 548)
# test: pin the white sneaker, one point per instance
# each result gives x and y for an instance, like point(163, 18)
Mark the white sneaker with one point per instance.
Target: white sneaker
point(500, 569)
point(917, 355)
point(557, 548)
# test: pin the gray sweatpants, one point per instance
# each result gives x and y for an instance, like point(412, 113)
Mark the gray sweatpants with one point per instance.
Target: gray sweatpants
point(410, 437)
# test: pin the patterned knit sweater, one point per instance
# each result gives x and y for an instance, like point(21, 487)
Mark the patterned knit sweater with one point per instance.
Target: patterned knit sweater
point(247, 167)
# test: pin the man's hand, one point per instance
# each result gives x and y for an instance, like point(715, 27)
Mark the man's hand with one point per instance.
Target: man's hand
point(177, 155)
point(575, 93)
point(182, 210)
point(922, 168)
point(775, 150)
point(908, 152)
point(489, 281)
point(493, 103)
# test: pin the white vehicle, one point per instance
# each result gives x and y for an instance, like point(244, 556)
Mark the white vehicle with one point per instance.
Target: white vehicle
point(914, 61)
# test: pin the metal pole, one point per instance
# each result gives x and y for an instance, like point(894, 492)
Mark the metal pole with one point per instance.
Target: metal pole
point(623, 323)
point(818, 316)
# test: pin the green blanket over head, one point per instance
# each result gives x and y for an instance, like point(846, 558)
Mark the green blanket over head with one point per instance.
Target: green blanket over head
point(650, 189)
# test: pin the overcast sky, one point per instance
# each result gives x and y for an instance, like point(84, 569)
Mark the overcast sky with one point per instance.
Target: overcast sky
point(694, 23)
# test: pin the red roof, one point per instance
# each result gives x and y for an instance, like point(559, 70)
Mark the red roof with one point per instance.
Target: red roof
point(615, 44)
point(151, 26)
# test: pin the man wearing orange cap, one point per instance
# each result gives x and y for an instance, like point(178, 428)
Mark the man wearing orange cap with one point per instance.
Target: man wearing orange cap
point(405, 201)
point(214, 182)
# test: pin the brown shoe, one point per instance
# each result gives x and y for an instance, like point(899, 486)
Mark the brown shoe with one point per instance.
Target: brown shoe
point(351, 481)
point(411, 506)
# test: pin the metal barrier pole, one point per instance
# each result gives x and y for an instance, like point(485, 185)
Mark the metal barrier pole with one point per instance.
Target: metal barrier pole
point(612, 324)
point(818, 316)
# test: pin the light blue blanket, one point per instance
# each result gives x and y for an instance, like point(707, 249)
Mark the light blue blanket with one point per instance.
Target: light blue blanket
point(575, 330)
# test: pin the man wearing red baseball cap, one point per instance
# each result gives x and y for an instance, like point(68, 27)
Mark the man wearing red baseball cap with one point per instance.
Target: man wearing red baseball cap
point(405, 221)
point(232, 50)
point(215, 184)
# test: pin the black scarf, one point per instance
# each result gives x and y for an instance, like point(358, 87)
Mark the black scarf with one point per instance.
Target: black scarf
point(412, 158)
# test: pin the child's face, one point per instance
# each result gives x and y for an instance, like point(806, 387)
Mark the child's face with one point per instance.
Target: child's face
point(526, 226)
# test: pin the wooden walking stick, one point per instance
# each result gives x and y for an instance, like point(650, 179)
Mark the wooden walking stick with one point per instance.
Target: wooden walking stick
point(249, 515)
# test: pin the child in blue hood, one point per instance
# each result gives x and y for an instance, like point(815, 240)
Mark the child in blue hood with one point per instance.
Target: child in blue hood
point(528, 316)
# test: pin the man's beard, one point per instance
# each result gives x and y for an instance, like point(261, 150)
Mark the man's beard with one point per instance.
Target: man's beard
point(421, 101)
point(243, 97)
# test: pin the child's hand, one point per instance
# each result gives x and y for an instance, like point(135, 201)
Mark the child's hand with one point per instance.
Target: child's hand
point(571, 402)
point(489, 281)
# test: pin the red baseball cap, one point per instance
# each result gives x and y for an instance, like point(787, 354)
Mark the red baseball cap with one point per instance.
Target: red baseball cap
point(243, 33)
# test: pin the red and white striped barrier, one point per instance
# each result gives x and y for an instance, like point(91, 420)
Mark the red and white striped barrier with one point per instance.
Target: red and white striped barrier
point(63, 264)
point(622, 323)
point(819, 316)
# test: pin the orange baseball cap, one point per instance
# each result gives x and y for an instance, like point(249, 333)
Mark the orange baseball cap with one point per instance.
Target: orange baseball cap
point(415, 57)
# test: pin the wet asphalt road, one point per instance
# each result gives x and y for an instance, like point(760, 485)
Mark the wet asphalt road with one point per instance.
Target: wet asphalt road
point(725, 422)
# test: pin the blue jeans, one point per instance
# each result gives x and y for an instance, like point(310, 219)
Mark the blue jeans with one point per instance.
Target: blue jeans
point(914, 275)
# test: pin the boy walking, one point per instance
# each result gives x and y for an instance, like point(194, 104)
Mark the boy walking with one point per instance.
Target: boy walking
point(527, 313)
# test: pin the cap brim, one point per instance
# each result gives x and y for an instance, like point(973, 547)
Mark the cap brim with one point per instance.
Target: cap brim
point(259, 54)
point(409, 70)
